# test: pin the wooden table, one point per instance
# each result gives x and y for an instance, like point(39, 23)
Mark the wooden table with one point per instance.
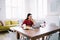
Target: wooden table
point(37, 33)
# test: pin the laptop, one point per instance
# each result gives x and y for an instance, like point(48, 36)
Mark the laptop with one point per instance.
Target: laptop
point(36, 25)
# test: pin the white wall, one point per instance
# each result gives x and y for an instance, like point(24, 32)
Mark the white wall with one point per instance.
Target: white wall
point(53, 7)
point(53, 20)
point(53, 11)
point(2, 10)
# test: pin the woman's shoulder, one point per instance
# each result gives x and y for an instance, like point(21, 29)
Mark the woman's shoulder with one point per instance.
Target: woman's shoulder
point(25, 20)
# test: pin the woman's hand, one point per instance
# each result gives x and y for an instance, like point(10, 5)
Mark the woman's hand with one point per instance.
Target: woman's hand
point(33, 21)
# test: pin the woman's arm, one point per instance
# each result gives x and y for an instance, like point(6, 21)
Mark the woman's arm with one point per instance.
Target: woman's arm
point(24, 22)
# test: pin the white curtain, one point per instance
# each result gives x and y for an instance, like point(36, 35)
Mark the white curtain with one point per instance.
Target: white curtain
point(20, 8)
point(15, 9)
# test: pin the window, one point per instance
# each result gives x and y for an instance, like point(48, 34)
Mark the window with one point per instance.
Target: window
point(42, 8)
point(20, 8)
point(15, 9)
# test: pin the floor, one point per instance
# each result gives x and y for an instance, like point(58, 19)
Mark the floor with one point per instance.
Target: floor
point(8, 36)
point(12, 36)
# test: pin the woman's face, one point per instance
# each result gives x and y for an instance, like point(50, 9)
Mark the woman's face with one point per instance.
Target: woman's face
point(30, 17)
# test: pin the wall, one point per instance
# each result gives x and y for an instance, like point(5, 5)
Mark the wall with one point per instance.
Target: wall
point(53, 20)
point(53, 11)
point(53, 7)
point(2, 10)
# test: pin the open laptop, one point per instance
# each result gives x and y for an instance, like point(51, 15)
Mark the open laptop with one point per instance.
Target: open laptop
point(36, 25)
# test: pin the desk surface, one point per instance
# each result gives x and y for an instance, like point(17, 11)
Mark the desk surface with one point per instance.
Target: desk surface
point(38, 32)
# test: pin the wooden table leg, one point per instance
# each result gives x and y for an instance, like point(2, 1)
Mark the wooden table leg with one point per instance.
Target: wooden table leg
point(18, 35)
point(33, 39)
point(42, 38)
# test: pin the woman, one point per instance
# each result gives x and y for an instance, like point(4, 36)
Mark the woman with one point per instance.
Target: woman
point(29, 20)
